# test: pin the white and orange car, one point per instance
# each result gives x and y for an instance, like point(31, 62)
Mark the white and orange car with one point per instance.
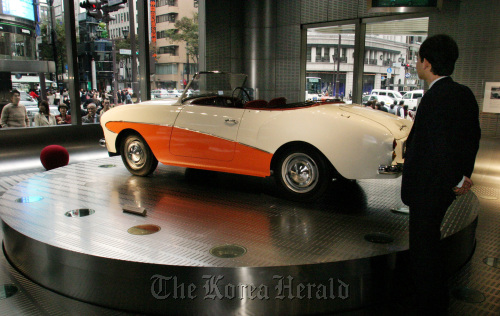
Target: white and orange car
point(304, 145)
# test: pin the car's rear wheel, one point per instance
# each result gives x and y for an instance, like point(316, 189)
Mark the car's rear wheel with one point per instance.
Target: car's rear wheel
point(302, 173)
point(137, 156)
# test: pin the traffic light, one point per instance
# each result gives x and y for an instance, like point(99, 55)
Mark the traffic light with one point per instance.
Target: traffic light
point(93, 8)
point(89, 5)
point(100, 9)
point(407, 66)
point(111, 6)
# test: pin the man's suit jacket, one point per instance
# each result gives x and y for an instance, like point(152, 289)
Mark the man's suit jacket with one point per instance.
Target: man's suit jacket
point(442, 144)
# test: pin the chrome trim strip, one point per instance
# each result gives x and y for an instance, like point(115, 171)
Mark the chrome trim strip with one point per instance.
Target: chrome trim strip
point(392, 169)
point(223, 138)
point(165, 125)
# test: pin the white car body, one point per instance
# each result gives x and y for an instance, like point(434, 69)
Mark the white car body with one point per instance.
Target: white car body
point(27, 100)
point(393, 94)
point(412, 98)
point(355, 140)
point(160, 94)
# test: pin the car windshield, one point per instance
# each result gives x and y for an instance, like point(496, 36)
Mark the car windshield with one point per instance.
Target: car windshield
point(216, 83)
point(397, 95)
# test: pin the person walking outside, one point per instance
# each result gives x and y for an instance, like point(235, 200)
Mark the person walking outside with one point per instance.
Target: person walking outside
point(14, 114)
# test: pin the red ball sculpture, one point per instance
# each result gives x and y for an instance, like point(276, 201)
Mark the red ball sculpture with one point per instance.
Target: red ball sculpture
point(54, 156)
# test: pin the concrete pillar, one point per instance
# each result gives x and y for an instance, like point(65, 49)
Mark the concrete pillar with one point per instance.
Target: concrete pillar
point(260, 46)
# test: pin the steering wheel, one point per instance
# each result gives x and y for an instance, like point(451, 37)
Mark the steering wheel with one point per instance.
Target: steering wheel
point(246, 96)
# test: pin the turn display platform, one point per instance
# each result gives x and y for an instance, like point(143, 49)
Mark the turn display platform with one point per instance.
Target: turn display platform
point(214, 243)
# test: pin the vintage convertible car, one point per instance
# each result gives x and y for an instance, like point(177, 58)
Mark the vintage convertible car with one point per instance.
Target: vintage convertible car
point(304, 145)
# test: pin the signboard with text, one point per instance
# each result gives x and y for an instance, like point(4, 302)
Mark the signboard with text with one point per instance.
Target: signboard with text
point(19, 8)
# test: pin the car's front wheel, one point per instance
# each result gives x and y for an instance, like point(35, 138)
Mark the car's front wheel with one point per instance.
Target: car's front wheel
point(302, 173)
point(137, 156)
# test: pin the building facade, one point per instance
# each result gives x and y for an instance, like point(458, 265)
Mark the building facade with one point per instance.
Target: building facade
point(169, 57)
point(389, 62)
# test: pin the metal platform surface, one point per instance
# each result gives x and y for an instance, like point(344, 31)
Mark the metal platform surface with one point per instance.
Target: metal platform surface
point(320, 249)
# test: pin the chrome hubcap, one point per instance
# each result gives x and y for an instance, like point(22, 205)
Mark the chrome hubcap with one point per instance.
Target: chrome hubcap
point(136, 155)
point(300, 173)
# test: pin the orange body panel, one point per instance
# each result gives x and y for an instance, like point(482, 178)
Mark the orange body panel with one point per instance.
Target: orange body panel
point(191, 144)
point(246, 160)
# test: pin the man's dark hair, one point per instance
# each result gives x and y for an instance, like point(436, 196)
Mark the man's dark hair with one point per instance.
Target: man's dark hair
point(14, 91)
point(442, 52)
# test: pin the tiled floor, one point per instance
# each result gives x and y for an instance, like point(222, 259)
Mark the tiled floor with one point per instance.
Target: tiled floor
point(476, 275)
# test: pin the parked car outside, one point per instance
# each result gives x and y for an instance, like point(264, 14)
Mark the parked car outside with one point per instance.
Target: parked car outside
point(364, 99)
point(379, 98)
point(174, 93)
point(27, 100)
point(393, 94)
point(412, 98)
point(303, 145)
point(159, 94)
point(189, 93)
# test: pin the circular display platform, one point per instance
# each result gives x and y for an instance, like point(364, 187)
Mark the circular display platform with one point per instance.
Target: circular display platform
point(214, 243)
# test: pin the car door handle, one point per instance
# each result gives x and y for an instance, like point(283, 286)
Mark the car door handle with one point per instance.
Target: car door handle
point(231, 121)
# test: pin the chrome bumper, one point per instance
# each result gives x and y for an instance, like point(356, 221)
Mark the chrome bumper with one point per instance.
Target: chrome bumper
point(392, 169)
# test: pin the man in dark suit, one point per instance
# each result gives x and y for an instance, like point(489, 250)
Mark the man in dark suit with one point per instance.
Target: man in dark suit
point(440, 154)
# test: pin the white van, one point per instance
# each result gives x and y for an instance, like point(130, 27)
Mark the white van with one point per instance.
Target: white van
point(393, 94)
point(412, 98)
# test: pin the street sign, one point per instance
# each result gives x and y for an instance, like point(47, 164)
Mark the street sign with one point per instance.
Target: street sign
point(407, 75)
point(389, 70)
point(125, 51)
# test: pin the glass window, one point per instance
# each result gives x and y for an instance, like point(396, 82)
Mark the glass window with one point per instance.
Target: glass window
point(390, 71)
point(389, 47)
point(166, 69)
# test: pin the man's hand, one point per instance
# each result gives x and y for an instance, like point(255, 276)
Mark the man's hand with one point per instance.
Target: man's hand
point(465, 187)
